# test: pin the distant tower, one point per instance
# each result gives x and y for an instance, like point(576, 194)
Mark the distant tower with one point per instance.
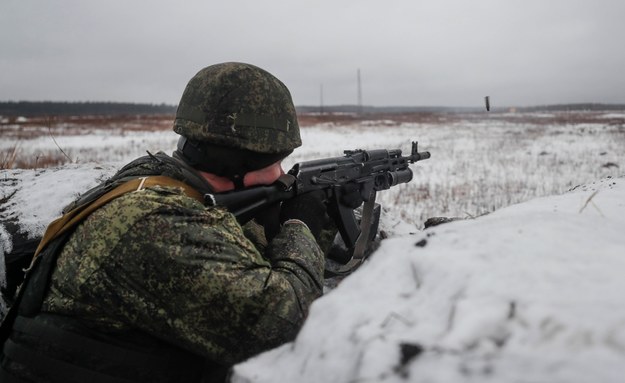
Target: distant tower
point(359, 93)
point(320, 98)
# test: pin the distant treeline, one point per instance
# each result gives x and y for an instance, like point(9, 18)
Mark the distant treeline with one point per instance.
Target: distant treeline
point(48, 108)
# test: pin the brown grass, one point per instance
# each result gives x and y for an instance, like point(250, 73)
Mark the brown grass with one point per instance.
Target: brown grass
point(80, 125)
point(390, 118)
point(7, 158)
point(76, 125)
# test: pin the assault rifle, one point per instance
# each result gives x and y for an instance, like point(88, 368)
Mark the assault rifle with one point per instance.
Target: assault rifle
point(373, 170)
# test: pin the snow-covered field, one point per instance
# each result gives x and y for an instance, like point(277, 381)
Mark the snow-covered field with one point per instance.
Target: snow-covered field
point(479, 164)
point(531, 292)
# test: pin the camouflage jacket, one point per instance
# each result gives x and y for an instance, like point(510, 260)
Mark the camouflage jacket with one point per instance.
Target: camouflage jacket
point(159, 262)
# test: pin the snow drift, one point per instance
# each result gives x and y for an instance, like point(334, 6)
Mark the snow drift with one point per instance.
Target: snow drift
point(532, 292)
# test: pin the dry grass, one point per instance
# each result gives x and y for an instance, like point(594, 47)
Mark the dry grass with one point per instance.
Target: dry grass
point(7, 158)
point(18, 131)
point(391, 119)
point(81, 125)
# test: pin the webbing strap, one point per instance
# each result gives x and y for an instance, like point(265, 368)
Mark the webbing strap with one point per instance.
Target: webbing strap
point(75, 216)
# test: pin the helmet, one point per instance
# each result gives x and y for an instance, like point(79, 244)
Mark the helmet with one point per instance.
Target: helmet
point(234, 118)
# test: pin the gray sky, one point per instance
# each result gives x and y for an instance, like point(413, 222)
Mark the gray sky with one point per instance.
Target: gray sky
point(410, 52)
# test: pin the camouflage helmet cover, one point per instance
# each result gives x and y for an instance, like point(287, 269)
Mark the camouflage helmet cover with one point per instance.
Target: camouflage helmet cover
point(238, 106)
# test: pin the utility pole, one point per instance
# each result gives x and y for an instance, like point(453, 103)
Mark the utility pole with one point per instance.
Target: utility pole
point(321, 98)
point(359, 93)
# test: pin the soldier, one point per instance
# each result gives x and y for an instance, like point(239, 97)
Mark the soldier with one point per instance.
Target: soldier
point(153, 286)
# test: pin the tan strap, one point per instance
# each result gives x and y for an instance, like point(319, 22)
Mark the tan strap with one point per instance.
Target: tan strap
point(75, 216)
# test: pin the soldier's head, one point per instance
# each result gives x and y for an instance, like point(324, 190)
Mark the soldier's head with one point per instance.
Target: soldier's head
point(235, 118)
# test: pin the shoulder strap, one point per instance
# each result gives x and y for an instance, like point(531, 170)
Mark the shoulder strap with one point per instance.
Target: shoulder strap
point(33, 287)
point(76, 215)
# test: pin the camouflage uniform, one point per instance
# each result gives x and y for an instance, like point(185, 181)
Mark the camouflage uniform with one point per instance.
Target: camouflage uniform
point(157, 262)
point(155, 272)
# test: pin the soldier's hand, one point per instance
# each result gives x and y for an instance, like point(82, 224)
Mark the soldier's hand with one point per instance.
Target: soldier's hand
point(309, 208)
point(351, 195)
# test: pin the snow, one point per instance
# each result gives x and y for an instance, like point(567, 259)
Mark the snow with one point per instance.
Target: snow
point(532, 292)
point(613, 115)
point(36, 197)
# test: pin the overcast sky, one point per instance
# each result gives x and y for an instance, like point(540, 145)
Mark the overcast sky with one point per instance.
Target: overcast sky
point(409, 52)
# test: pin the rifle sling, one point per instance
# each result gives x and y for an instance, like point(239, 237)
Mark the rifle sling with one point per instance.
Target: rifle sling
point(358, 255)
point(365, 228)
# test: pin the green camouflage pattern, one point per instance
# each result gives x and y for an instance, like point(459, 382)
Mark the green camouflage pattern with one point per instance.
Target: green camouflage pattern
point(161, 263)
point(238, 106)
